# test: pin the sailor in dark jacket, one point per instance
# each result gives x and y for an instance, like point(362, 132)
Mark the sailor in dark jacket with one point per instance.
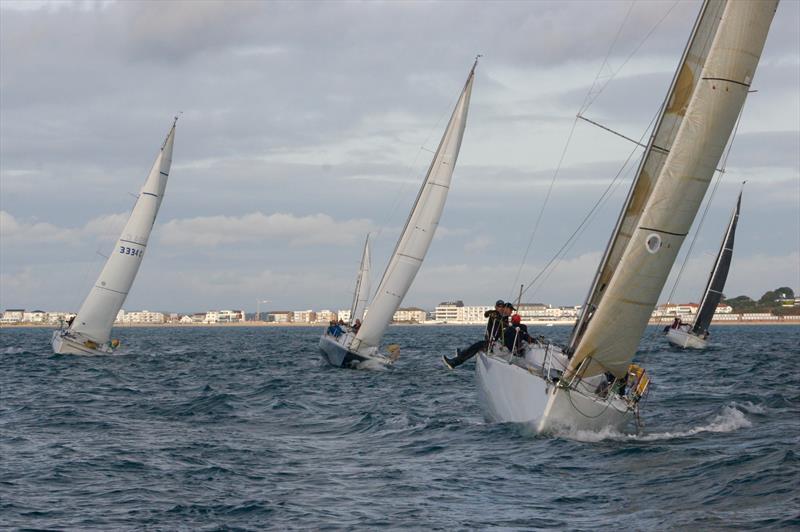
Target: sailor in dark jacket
point(516, 334)
point(495, 329)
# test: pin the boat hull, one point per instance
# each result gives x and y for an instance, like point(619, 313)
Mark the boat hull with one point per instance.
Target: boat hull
point(509, 393)
point(335, 353)
point(685, 339)
point(66, 345)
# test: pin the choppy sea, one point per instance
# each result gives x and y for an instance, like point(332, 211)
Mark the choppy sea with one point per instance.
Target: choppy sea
point(247, 429)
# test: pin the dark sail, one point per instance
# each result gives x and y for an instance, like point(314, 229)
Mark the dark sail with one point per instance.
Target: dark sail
point(716, 281)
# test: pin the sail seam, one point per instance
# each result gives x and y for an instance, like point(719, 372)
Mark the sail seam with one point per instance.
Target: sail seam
point(662, 231)
point(110, 290)
point(728, 80)
point(150, 194)
point(165, 174)
point(133, 242)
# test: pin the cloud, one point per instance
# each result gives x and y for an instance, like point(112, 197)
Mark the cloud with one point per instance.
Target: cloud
point(212, 231)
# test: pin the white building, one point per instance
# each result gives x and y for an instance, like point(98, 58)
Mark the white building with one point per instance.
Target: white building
point(280, 316)
point(325, 316)
point(186, 319)
point(59, 317)
point(13, 315)
point(343, 315)
point(410, 315)
point(224, 316)
point(447, 311)
point(472, 313)
point(304, 316)
point(144, 316)
point(36, 316)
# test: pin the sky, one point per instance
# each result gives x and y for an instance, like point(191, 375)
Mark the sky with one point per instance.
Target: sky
point(306, 125)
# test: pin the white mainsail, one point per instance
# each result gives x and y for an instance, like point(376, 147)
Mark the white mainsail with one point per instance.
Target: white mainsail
point(97, 314)
point(613, 331)
point(419, 229)
point(361, 294)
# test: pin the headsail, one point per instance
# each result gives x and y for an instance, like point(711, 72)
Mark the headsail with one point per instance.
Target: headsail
point(671, 116)
point(361, 294)
point(610, 333)
point(719, 274)
point(419, 229)
point(96, 316)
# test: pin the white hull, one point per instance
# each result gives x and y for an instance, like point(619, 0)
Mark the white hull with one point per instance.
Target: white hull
point(685, 339)
point(64, 344)
point(516, 391)
point(336, 353)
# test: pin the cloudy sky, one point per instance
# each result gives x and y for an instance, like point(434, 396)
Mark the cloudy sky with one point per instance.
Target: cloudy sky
point(306, 125)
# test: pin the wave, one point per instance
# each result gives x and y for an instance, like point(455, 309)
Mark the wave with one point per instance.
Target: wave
point(731, 418)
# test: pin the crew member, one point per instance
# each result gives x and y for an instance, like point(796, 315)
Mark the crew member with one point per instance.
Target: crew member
point(495, 328)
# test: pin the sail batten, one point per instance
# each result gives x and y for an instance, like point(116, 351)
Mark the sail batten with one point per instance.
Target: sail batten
point(419, 229)
point(99, 310)
point(719, 274)
point(611, 327)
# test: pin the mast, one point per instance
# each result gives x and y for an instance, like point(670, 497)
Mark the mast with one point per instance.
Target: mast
point(719, 274)
point(670, 118)
point(417, 234)
point(361, 294)
point(609, 340)
point(99, 310)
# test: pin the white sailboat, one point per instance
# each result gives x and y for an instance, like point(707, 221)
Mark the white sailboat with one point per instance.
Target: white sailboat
point(353, 349)
point(695, 335)
point(591, 384)
point(90, 332)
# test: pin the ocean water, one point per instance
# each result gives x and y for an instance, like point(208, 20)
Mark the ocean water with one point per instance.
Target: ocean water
point(247, 429)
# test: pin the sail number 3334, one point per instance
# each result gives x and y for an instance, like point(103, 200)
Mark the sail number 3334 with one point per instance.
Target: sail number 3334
point(131, 251)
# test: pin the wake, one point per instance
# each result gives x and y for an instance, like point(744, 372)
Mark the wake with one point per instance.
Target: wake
point(731, 418)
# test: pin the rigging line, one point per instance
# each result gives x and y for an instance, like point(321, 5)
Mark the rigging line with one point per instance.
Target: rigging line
point(587, 102)
point(412, 170)
point(603, 198)
point(630, 56)
point(583, 222)
point(705, 211)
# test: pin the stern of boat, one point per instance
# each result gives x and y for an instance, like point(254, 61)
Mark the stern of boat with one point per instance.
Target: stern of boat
point(685, 339)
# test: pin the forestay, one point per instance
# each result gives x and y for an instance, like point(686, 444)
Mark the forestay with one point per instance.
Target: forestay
point(419, 229)
point(719, 274)
point(361, 294)
point(671, 117)
point(613, 331)
point(98, 312)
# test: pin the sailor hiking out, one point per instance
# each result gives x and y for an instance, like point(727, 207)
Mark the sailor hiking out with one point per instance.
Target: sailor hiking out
point(496, 327)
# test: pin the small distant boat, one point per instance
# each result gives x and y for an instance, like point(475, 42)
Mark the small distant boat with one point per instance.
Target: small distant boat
point(695, 336)
point(351, 349)
point(90, 331)
point(591, 383)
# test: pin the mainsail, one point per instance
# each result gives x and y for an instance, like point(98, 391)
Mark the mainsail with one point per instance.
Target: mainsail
point(670, 118)
point(99, 310)
point(419, 229)
point(719, 274)
point(627, 289)
point(361, 294)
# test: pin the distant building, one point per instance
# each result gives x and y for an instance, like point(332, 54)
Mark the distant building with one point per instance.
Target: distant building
point(447, 311)
point(186, 319)
point(280, 316)
point(304, 316)
point(37, 316)
point(224, 316)
point(344, 315)
point(144, 316)
point(410, 315)
point(324, 316)
point(13, 315)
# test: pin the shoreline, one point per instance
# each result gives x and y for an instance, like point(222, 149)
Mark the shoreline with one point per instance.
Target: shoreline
point(322, 325)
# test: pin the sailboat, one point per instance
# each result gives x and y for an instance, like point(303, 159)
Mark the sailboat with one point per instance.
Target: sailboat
point(352, 349)
point(591, 384)
point(695, 336)
point(90, 331)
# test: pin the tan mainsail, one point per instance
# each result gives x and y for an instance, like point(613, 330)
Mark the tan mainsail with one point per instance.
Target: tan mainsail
point(672, 112)
point(630, 289)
